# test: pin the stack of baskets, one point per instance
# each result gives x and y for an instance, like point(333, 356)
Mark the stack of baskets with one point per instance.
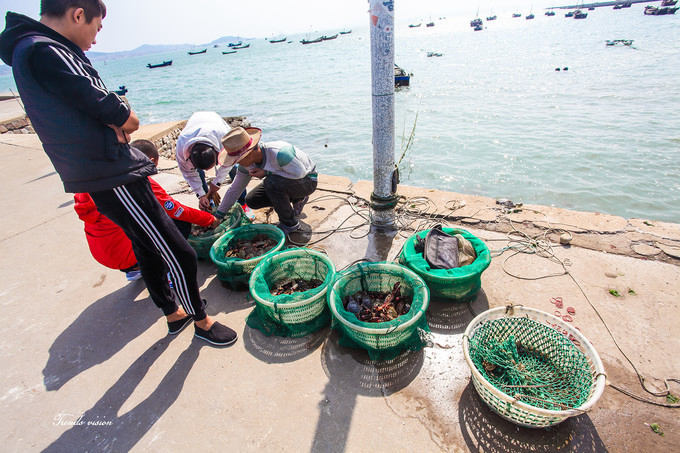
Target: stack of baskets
point(459, 284)
point(384, 340)
point(235, 272)
point(296, 314)
point(202, 243)
point(527, 370)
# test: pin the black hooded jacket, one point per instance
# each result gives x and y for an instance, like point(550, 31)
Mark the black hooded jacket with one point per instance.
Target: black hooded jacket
point(70, 107)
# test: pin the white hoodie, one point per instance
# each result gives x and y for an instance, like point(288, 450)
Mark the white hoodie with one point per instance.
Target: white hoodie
point(202, 127)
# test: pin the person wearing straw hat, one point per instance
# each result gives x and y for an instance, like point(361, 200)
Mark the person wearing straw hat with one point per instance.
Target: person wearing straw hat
point(289, 175)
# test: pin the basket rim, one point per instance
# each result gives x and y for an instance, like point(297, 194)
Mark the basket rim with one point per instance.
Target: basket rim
point(380, 330)
point(232, 232)
point(483, 259)
point(217, 235)
point(532, 313)
point(278, 254)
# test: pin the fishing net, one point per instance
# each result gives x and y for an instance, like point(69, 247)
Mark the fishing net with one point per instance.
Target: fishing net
point(298, 313)
point(459, 284)
point(201, 243)
point(382, 340)
point(530, 362)
point(235, 272)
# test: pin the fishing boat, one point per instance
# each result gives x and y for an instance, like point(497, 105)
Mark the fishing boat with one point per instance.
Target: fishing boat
point(197, 52)
point(312, 41)
point(243, 46)
point(227, 52)
point(234, 44)
point(475, 22)
point(579, 14)
point(569, 14)
point(478, 27)
point(328, 38)
point(491, 17)
point(346, 32)
point(530, 16)
point(414, 25)
point(434, 54)
point(159, 65)
point(655, 11)
point(121, 91)
point(429, 24)
point(550, 13)
point(516, 14)
point(620, 42)
point(401, 77)
point(278, 40)
point(668, 2)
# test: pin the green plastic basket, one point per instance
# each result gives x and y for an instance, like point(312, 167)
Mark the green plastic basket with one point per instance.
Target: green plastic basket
point(460, 284)
point(382, 340)
point(568, 373)
point(201, 243)
point(236, 271)
point(296, 314)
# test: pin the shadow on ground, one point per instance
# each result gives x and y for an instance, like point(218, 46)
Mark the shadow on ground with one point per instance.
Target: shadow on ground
point(446, 317)
point(274, 349)
point(101, 330)
point(123, 432)
point(484, 430)
point(352, 373)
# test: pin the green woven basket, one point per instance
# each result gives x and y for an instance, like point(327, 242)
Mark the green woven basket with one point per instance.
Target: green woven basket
point(560, 380)
point(457, 285)
point(296, 314)
point(202, 243)
point(236, 271)
point(391, 337)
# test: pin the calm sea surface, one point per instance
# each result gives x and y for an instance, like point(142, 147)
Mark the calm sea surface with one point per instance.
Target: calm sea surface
point(494, 118)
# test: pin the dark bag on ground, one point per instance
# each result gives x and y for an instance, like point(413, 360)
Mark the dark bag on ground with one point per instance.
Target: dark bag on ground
point(439, 249)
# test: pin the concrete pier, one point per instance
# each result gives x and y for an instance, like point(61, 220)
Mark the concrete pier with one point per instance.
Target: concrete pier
point(88, 365)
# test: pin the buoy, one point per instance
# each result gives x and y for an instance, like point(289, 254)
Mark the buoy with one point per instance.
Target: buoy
point(565, 239)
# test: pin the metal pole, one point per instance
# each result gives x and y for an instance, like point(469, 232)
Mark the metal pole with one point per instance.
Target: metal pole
point(383, 198)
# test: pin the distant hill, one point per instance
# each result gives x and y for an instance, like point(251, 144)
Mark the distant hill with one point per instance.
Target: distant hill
point(149, 49)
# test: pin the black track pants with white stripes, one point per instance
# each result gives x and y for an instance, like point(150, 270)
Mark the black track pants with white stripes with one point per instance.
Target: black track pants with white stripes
point(158, 245)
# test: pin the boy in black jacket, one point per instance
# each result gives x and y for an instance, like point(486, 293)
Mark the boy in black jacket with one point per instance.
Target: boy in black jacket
point(84, 129)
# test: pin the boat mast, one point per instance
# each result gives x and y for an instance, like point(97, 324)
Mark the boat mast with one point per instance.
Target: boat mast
point(385, 178)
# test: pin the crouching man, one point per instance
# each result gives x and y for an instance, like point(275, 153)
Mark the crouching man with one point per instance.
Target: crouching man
point(289, 175)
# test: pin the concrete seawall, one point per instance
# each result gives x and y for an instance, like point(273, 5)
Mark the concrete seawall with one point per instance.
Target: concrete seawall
point(88, 365)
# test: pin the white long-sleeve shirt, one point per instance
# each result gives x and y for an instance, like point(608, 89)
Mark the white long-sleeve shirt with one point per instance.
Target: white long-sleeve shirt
point(202, 127)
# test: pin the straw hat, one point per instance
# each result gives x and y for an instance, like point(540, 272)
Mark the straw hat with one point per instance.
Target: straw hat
point(237, 144)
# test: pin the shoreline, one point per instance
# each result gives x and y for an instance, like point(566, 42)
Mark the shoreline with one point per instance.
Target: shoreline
point(633, 237)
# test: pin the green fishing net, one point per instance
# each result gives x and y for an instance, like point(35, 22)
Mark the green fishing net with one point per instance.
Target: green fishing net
point(532, 363)
point(384, 340)
point(297, 314)
point(459, 284)
point(235, 272)
point(201, 243)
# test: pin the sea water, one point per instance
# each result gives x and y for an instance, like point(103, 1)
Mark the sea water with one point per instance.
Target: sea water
point(492, 116)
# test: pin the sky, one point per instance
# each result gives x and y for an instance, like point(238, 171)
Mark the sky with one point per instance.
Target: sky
point(132, 23)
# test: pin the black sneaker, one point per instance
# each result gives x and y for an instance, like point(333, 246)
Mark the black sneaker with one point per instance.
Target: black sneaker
point(176, 327)
point(218, 334)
